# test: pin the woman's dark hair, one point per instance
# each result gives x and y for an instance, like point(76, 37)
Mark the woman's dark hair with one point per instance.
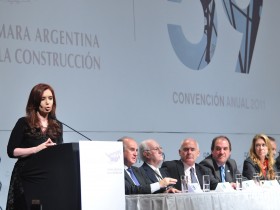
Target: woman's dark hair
point(32, 108)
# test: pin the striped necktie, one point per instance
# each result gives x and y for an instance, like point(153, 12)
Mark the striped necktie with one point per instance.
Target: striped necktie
point(222, 171)
point(157, 173)
point(193, 178)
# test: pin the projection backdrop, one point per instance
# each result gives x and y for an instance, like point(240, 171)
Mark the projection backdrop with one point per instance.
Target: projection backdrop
point(163, 69)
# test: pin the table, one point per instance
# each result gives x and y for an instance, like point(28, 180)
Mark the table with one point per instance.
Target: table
point(237, 200)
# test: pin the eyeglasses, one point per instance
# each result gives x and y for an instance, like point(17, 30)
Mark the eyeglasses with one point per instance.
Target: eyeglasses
point(155, 149)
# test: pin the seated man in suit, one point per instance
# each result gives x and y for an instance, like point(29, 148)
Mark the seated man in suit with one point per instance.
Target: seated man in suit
point(152, 156)
point(136, 181)
point(222, 167)
point(273, 145)
point(189, 152)
point(274, 151)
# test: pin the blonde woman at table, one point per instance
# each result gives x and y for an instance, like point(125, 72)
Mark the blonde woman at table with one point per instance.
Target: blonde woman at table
point(260, 159)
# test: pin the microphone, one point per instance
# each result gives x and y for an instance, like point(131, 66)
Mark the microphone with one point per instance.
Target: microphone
point(54, 118)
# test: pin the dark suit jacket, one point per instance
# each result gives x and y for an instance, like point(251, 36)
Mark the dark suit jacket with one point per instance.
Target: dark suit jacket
point(152, 176)
point(277, 163)
point(249, 168)
point(131, 188)
point(151, 173)
point(175, 169)
point(230, 168)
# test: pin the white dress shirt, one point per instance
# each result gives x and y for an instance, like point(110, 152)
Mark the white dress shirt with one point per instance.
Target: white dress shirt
point(188, 172)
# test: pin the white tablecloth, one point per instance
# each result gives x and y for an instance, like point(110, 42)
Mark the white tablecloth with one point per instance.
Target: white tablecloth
point(238, 200)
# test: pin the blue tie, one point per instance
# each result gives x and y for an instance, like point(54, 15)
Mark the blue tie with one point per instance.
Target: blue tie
point(133, 177)
point(193, 178)
point(222, 171)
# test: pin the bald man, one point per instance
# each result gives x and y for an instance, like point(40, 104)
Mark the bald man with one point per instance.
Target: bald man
point(189, 152)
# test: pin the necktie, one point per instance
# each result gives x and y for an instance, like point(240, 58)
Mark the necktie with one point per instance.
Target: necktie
point(222, 171)
point(133, 177)
point(157, 173)
point(193, 178)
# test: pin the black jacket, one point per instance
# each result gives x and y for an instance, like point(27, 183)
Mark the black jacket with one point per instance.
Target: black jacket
point(230, 169)
point(175, 169)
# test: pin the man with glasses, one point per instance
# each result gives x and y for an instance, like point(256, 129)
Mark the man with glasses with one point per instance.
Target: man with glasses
point(136, 181)
point(152, 155)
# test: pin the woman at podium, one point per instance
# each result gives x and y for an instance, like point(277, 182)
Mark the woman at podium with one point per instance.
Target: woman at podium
point(36, 131)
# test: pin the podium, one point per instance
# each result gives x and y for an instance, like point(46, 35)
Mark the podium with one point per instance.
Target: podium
point(76, 176)
point(53, 177)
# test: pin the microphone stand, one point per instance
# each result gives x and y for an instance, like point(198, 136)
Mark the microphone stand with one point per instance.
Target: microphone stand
point(73, 129)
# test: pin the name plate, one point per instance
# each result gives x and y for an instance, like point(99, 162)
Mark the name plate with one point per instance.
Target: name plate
point(224, 187)
point(194, 188)
point(271, 184)
point(249, 185)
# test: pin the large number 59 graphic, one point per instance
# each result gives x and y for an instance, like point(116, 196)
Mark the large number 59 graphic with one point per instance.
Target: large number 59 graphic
point(198, 56)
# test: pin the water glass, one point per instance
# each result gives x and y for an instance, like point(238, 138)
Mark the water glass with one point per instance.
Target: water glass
point(238, 178)
point(277, 177)
point(256, 178)
point(184, 183)
point(206, 183)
